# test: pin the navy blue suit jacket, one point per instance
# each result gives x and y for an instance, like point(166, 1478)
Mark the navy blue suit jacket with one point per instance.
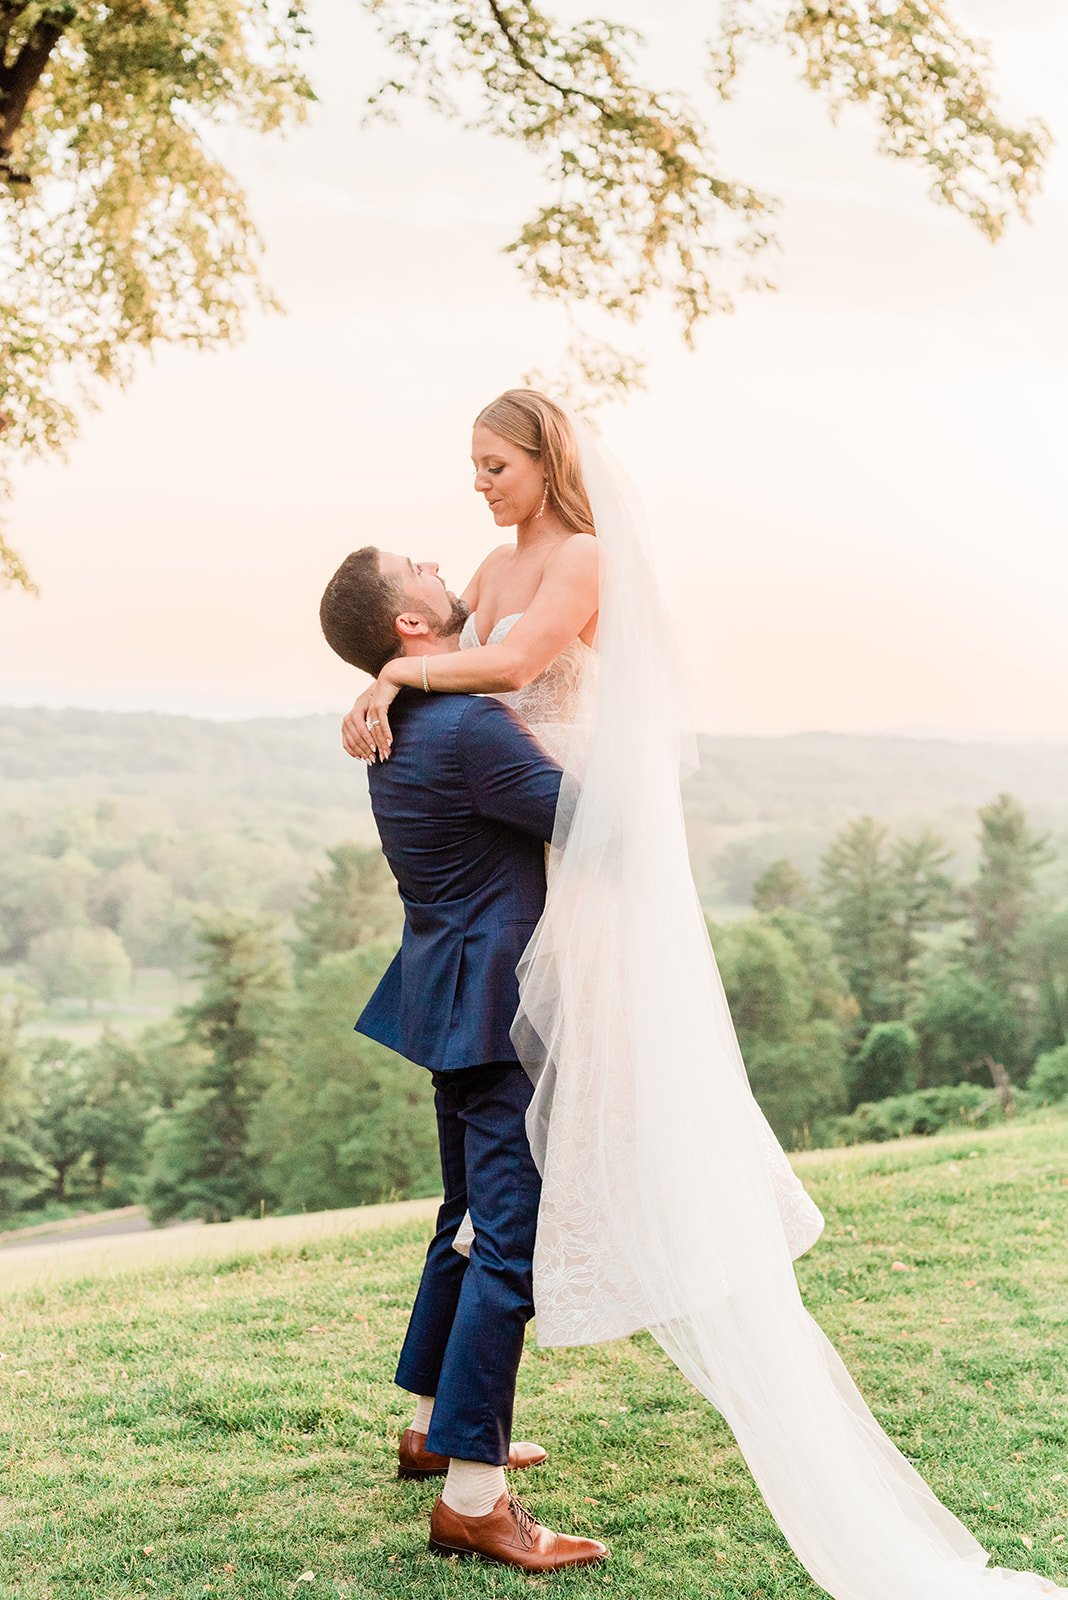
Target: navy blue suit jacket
point(464, 807)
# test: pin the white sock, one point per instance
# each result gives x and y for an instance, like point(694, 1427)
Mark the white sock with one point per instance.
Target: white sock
point(472, 1489)
point(424, 1410)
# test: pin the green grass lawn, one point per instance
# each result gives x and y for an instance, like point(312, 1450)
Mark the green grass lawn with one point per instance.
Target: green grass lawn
point(179, 1426)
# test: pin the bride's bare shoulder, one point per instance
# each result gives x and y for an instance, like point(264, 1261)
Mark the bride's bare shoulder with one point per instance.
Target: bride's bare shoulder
point(580, 545)
point(575, 560)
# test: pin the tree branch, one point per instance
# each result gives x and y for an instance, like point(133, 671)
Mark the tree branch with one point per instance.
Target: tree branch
point(567, 91)
point(19, 80)
point(8, 14)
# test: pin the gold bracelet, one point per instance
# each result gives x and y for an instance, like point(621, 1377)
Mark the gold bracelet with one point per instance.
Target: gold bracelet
point(426, 686)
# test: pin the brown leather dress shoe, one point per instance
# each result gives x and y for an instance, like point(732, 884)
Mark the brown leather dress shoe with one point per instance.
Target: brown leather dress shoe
point(512, 1536)
point(416, 1461)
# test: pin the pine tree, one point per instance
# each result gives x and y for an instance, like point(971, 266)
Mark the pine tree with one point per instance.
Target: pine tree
point(1005, 891)
point(200, 1164)
point(1005, 904)
point(858, 900)
point(345, 1122)
point(353, 902)
point(923, 897)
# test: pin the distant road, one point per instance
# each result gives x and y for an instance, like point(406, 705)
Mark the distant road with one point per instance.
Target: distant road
point(130, 1219)
point(124, 1241)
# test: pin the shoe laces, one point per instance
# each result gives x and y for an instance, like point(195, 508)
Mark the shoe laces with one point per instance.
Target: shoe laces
point(525, 1520)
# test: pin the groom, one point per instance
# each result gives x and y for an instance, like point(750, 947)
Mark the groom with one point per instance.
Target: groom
point(464, 807)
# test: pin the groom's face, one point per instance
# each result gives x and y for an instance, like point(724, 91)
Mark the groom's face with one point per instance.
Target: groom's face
point(424, 591)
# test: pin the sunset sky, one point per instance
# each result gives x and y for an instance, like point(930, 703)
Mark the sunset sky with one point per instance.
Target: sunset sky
point(858, 483)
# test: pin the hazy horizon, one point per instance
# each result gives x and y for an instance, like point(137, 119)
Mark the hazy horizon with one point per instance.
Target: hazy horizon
point(224, 715)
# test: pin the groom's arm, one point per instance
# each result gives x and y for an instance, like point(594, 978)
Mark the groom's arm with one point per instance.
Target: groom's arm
point(508, 774)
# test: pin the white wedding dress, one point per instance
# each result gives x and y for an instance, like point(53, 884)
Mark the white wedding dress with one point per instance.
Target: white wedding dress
point(667, 1202)
point(583, 1296)
point(549, 705)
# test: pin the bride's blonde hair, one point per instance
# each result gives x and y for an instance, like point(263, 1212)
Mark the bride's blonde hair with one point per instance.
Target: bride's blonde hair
point(529, 419)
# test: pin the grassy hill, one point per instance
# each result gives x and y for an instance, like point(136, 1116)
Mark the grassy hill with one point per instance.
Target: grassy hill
point(217, 1416)
point(277, 776)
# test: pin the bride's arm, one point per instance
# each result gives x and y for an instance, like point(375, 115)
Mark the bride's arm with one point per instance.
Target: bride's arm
point(565, 600)
point(356, 737)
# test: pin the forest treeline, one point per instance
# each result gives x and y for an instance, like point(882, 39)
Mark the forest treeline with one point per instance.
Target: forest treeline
point(120, 831)
point(90, 893)
point(884, 994)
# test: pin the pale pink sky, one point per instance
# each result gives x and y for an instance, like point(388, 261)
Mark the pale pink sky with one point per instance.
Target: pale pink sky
point(858, 483)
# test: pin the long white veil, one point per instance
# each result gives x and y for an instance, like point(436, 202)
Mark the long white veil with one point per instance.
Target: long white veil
point(667, 1203)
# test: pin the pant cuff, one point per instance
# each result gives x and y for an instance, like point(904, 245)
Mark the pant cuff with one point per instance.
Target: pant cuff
point(420, 1383)
point(490, 1451)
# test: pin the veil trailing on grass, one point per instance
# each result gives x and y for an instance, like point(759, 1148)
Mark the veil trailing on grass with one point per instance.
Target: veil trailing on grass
point(667, 1203)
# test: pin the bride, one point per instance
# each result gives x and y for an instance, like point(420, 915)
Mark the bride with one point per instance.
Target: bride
point(667, 1203)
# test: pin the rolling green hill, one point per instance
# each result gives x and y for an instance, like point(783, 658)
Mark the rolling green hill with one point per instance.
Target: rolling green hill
point(298, 760)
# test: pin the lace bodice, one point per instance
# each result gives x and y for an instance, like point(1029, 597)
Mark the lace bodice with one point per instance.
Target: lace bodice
point(549, 704)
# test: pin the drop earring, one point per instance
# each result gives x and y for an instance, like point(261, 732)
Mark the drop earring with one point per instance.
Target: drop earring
point(544, 498)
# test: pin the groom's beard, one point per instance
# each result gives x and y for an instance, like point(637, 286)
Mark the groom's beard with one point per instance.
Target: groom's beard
point(452, 626)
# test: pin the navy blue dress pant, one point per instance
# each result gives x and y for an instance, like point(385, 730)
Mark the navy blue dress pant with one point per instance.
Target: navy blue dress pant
point(465, 1337)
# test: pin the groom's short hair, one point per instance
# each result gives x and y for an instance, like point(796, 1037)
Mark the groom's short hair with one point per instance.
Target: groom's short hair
point(358, 611)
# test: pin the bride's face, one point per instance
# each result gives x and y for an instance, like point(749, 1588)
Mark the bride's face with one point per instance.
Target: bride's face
point(505, 475)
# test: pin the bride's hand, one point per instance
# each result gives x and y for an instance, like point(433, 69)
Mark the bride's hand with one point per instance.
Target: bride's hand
point(383, 692)
point(355, 735)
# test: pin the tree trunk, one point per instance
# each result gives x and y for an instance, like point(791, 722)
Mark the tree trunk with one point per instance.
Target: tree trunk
point(17, 83)
point(1002, 1086)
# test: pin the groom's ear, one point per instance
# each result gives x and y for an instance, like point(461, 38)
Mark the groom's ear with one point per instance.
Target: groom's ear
point(411, 625)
